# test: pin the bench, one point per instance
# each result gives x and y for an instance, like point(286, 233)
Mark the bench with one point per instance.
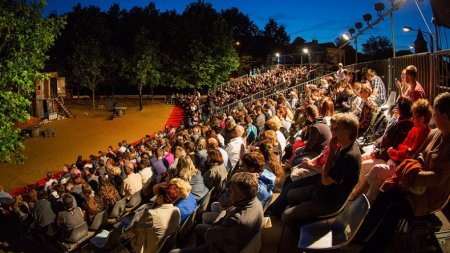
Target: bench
point(119, 111)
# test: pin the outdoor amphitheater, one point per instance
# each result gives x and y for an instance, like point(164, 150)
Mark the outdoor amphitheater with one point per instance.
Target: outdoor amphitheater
point(147, 129)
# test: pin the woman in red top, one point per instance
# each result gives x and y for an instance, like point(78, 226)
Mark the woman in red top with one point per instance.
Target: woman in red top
point(417, 135)
point(422, 113)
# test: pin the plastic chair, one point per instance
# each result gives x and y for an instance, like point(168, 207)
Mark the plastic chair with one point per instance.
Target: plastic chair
point(107, 240)
point(134, 201)
point(117, 211)
point(186, 227)
point(334, 233)
point(254, 245)
point(100, 220)
point(75, 238)
point(167, 244)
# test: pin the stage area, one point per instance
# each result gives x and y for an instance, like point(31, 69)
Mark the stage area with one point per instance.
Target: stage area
point(91, 131)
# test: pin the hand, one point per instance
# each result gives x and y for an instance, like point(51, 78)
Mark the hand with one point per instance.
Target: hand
point(307, 162)
point(398, 84)
point(389, 149)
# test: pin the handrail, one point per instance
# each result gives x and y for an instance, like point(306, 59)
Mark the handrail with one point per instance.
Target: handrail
point(227, 83)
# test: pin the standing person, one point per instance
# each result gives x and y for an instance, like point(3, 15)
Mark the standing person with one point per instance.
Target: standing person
point(415, 90)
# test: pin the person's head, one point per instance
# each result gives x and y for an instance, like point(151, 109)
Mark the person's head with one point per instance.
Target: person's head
point(68, 201)
point(411, 73)
point(311, 112)
point(327, 108)
point(186, 168)
point(238, 131)
point(189, 146)
point(87, 189)
point(272, 124)
point(201, 143)
point(253, 162)
point(214, 157)
point(144, 163)
point(404, 107)
point(42, 194)
point(129, 168)
point(244, 186)
point(346, 128)
point(422, 112)
point(184, 188)
point(442, 111)
point(270, 135)
point(370, 74)
point(357, 88)
point(366, 90)
point(340, 66)
point(179, 152)
point(213, 143)
point(167, 194)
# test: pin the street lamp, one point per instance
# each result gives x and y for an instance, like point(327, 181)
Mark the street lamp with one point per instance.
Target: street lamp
point(431, 40)
point(305, 51)
point(278, 58)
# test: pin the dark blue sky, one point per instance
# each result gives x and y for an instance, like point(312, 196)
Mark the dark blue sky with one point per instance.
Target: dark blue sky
point(324, 20)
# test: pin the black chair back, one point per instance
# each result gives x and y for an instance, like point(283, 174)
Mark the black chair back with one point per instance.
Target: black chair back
point(135, 200)
point(118, 209)
point(78, 233)
point(100, 220)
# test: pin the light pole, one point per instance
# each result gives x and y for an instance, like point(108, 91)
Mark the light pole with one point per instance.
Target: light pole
point(278, 58)
point(304, 50)
point(431, 40)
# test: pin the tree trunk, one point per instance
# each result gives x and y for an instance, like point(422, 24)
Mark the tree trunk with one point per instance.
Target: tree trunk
point(93, 99)
point(78, 92)
point(151, 92)
point(140, 98)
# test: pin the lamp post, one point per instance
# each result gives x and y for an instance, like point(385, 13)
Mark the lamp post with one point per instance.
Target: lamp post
point(306, 51)
point(278, 58)
point(431, 40)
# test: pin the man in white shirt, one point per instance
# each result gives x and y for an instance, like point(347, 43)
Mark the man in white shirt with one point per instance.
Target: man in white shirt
point(145, 172)
point(236, 147)
point(132, 183)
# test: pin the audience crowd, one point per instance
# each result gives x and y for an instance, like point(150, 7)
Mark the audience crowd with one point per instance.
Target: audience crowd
point(242, 155)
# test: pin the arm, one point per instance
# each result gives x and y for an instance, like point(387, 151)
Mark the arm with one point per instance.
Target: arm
point(312, 140)
point(326, 180)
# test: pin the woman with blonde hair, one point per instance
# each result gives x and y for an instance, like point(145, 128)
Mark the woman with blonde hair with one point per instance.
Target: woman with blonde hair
point(187, 171)
point(185, 201)
point(272, 162)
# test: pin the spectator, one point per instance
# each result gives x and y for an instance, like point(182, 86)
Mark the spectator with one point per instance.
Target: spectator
point(69, 218)
point(236, 148)
point(378, 87)
point(215, 174)
point(426, 191)
point(108, 193)
point(239, 223)
point(157, 223)
point(415, 90)
point(185, 201)
point(42, 213)
point(132, 183)
point(187, 171)
point(338, 178)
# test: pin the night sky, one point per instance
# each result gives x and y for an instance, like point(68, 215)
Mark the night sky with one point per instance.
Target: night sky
point(324, 20)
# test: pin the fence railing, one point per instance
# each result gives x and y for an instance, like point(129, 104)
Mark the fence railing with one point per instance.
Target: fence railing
point(433, 70)
point(284, 88)
point(224, 85)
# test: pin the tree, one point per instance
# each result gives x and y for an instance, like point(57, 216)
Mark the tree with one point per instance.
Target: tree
point(25, 38)
point(378, 47)
point(88, 65)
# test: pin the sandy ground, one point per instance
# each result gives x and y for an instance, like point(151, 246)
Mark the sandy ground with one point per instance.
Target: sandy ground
point(90, 132)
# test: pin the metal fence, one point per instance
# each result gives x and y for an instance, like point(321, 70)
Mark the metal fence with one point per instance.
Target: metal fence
point(226, 84)
point(433, 70)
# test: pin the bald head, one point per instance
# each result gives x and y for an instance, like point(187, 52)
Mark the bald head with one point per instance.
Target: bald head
point(129, 168)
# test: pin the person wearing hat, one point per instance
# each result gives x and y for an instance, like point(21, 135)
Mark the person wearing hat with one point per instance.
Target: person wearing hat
point(340, 73)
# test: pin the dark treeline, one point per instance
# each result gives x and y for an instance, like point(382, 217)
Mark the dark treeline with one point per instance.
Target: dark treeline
point(126, 51)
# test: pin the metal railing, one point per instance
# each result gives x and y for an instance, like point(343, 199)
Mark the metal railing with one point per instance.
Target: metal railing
point(271, 93)
point(224, 85)
point(433, 70)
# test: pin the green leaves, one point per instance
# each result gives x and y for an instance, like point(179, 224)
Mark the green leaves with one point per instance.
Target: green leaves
point(25, 37)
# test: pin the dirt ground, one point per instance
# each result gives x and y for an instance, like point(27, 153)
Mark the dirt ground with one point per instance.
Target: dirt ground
point(91, 131)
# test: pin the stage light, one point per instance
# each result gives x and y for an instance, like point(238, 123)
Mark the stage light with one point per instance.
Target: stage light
point(367, 17)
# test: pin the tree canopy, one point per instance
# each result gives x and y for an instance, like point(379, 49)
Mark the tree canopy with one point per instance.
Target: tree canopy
point(25, 38)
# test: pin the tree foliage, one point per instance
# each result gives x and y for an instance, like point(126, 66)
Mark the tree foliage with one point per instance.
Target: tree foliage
point(25, 38)
point(379, 47)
